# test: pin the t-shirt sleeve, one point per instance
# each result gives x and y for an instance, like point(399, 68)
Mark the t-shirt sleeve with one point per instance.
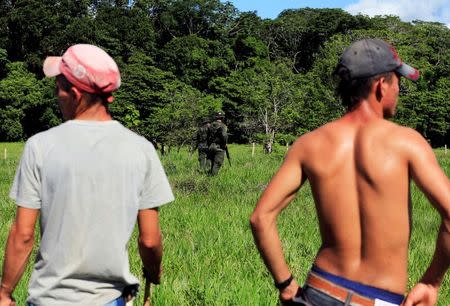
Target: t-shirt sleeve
point(26, 188)
point(157, 190)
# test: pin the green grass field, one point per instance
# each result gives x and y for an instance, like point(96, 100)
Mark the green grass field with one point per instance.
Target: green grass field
point(209, 254)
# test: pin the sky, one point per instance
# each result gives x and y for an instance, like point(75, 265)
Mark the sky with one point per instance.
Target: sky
point(407, 10)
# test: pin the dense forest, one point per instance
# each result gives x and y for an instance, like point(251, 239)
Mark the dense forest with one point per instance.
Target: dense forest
point(181, 60)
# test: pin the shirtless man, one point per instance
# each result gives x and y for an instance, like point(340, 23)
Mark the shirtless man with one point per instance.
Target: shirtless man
point(359, 168)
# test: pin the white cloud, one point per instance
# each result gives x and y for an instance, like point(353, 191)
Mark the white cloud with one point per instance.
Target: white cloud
point(407, 10)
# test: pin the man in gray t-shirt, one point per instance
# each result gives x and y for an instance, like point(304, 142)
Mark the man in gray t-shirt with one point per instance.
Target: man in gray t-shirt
point(89, 179)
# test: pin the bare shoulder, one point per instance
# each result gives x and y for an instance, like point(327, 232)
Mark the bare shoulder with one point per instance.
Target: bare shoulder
point(414, 150)
point(403, 131)
point(395, 135)
point(411, 141)
point(305, 140)
point(309, 142)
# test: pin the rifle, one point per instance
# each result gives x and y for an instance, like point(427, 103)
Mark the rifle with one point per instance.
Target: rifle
point(228, 154)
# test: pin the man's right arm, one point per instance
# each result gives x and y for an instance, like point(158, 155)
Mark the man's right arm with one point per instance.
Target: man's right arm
point(433, 182)
point(278, 194)
point(18, 249)
point(150, 243)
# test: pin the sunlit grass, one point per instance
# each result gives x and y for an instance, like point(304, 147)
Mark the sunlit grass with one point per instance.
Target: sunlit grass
point(209, 254)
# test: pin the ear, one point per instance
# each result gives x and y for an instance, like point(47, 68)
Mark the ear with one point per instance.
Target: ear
point(379, 89)
point(76, 93)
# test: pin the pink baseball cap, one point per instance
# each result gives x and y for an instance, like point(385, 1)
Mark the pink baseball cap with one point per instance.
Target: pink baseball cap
point(87, 67)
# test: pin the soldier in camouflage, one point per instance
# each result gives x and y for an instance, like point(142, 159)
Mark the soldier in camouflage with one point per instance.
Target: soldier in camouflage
point(201, 143)
point(217, 141)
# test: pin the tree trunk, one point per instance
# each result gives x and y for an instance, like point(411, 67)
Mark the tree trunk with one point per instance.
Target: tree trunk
point(268, 146)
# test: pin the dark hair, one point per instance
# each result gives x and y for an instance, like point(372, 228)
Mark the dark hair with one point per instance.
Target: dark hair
point(352, 91)
point(91, 98)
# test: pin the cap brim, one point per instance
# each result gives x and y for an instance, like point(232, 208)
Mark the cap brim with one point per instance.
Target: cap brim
point(408, 72)
point(52, 66)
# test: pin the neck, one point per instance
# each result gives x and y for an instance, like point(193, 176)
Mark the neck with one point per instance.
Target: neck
point(366, 110)
point(93, 112)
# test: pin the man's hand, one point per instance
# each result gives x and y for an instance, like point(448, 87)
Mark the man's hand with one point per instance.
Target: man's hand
point(288, 293)
point(6, 299)
point(422, 295)
point(152, 277)
point(7, 302)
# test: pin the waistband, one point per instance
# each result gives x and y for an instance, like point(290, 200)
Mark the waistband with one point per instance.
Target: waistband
point(117, 302)
point(365, 291)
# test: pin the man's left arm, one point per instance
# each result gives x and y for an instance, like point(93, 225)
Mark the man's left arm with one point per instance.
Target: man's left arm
point(18, 249)
point(432, 181)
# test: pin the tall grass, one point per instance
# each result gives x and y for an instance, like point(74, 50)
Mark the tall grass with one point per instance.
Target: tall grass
point(209, 254)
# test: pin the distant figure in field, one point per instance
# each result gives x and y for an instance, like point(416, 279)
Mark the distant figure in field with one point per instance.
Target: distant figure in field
point(89, 180)
point(201, 144)
point(359, 168)
point(217, 142)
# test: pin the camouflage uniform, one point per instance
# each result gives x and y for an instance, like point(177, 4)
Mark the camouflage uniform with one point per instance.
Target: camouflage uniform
point(217, 140)
point(202, 146)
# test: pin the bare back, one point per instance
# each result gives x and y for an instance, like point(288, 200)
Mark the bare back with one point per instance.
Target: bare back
point(359, 178)
point(359, 168)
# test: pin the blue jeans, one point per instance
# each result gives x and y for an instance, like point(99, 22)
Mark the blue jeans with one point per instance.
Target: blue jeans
point(117, 302)
point(316, 297)
point(312, 297)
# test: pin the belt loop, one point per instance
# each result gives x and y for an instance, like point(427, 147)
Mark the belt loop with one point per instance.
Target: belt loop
point(349, 298)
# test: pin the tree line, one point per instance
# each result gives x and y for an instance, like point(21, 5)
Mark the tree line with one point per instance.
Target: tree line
point(182, 60)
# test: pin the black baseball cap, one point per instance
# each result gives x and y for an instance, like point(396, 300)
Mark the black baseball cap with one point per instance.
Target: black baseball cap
point(369, 57)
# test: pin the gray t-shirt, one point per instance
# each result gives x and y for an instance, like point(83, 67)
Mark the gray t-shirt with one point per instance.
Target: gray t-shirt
point(89, 179)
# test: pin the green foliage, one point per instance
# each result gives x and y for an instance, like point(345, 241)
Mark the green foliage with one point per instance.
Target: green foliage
point(196, 60)
point(10, 127)
point(247, 24)
point(300, 33)
point(20, 88)
point(248, 48)
point(176, 122)
point(18, 91)
point(285, 139)
point(128, 114)
point(205, 18)
point(123, 31)
point(157, 105)
point(3, 62)
point(28, 22)
point(267, 94)
point(143, 86)
point(26, 101)
point(269, 76)
point(427, 112)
